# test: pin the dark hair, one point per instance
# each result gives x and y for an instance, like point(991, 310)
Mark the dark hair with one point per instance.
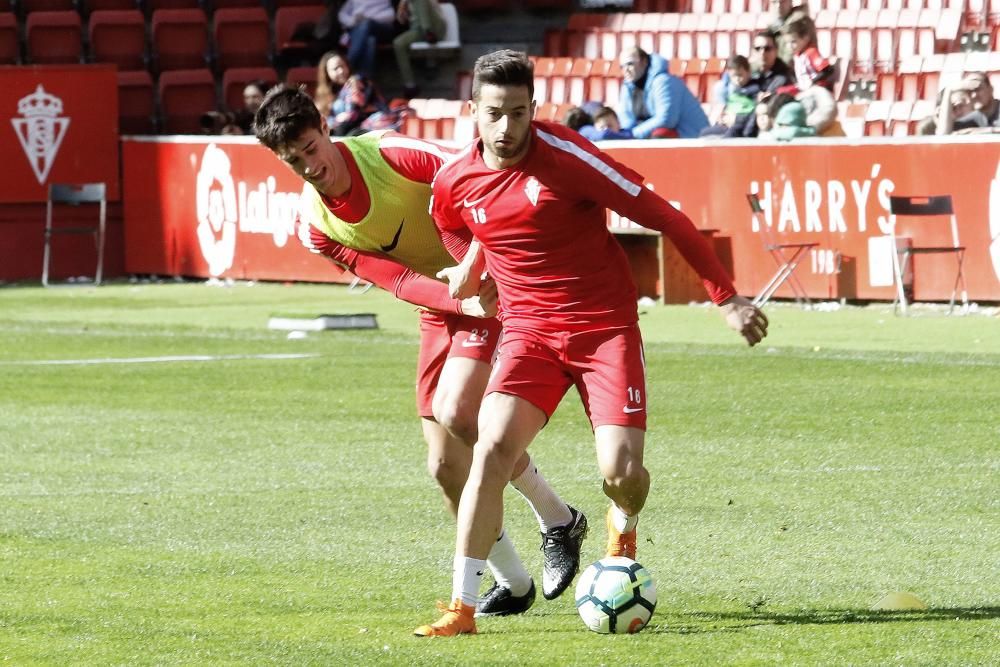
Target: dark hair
point(775, 102)
point(259, 84)
point(284, 115)
point(803, 28)
point(503, 68)
point(768, 34)
point(605, 112)
point(576, 118)
point(738, 62)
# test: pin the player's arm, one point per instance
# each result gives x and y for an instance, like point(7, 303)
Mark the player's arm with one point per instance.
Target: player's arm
point(402, 282)
point(652, 211)
point(464, 280)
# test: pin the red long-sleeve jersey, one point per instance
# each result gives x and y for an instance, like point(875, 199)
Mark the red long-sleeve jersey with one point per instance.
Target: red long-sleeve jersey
point(543, 225)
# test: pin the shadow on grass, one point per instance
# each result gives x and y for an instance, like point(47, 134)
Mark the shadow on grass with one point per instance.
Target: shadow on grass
point(735, 621)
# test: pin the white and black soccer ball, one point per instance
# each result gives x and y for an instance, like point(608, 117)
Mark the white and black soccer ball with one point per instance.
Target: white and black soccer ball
point(616, 595)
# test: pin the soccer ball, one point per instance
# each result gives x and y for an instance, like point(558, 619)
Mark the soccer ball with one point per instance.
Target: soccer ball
point(616, 595)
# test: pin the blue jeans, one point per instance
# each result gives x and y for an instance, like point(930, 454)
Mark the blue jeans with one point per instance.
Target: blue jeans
point(361, 50)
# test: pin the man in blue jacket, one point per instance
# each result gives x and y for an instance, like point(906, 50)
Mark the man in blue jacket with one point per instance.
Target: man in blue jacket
point(653, 102)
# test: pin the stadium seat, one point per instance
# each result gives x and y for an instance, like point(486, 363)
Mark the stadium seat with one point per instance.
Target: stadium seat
point(10, 45)
point(559, 80)
point(924, 206)
point(286, 20)
point(577, 81)
point(119, 37)
point(302, 76)
point(27, 7)
point(852, 118)
point(704, 35)
point(180, 39)
point(724, 36)
point(136, 103)
point(102, 5)
point(876, 118)
point(184, 96)
point(74, 195)
point(786, 256)
point(885, 40)
point(241, 37)
point(666, 35)
point(898, 121)
point(449, 43)
point(908, 79)
point(54, 38)
point(232, 4)
point(235, 79)
point(153, 6)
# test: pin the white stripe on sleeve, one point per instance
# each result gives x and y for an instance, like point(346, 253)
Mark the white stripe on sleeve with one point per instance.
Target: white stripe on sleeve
point(600, 165)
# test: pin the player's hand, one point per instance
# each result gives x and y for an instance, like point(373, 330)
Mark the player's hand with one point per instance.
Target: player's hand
point(745, 318)
point(461, 283)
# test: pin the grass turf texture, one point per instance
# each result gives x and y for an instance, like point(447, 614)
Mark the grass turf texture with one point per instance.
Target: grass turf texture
point(260, 511)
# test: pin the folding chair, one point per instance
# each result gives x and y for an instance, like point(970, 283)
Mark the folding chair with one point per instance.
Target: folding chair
point(86, 193)
point(916, 206)
point(786, 255)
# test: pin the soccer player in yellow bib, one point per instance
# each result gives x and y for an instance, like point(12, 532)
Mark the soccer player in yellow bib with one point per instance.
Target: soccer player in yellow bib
point(366, 203)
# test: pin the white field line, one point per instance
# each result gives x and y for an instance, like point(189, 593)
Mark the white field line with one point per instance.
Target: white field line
point(155, 360)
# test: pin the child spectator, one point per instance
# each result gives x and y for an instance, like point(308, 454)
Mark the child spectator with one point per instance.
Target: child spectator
point(811, 68)
point(605, 126)
point(738, 116)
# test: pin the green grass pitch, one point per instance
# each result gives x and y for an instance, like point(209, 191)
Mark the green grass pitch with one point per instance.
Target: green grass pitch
point(244, 509)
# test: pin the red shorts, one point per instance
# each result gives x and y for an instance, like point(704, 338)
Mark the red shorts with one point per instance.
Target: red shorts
point(606, 365)
point(443, 336)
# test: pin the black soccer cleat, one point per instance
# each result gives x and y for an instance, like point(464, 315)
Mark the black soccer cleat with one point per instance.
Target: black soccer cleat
point(499, 601)
point(561, 551)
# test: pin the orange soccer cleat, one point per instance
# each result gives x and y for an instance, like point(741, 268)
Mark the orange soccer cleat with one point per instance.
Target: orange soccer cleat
point(620, 544)
point(458, 619)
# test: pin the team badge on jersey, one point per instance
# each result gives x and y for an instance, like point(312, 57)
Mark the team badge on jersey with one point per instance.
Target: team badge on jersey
point(533, 189)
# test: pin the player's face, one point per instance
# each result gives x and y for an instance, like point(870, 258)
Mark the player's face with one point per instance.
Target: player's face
point(311, 156)
point(503, 115)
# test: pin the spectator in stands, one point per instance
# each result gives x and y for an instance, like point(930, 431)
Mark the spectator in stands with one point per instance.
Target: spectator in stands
point(790, 123)
point(738, 117)
point(811, 68)
point(605, 126)
point(654, 103)
point(237, 121)
point(785, 13)
point(980, 90)
point(331, 75)
point(424, 22)
point(576, 118)
point(957, 111)
point(343, 99)
point(821, 111)
point(367, 23)
point(772, 105)
point(769, 71)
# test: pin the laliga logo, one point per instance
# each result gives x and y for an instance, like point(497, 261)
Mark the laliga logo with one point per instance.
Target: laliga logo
point(215, 196)
point(41, 130)
point(995, 222)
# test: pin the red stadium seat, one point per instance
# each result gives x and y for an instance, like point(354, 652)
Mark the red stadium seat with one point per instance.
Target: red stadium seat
point(119, 37)
point(184, 96)
point(180, 39)
point(10, 44)
point(54, 38)
point(101, 5)
point(287, 19)
point(235, 79)
point(302, 76)
point(559, 80)
point(30, 6)
point(666, 35)
point(704, 36)
point(136, 105)
point(577, 81)
point(231, 4)
point(242, 38)
point(153, 6)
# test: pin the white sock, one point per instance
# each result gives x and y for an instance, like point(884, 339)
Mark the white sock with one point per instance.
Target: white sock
point(549, 508)
point(466, 577)
point(623, 522)
point(507, 568)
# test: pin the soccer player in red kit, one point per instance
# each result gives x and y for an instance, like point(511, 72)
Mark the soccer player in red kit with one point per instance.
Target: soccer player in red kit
point(366, 203)
point(533, 196)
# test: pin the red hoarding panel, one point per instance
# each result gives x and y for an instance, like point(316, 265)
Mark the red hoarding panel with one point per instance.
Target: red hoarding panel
point(837, 194)
point(218, 207)
point(58, 124)
point(226, 207)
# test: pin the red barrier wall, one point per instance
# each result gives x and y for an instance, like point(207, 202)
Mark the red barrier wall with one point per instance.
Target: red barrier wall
point(58, 124)
point(225, 207)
